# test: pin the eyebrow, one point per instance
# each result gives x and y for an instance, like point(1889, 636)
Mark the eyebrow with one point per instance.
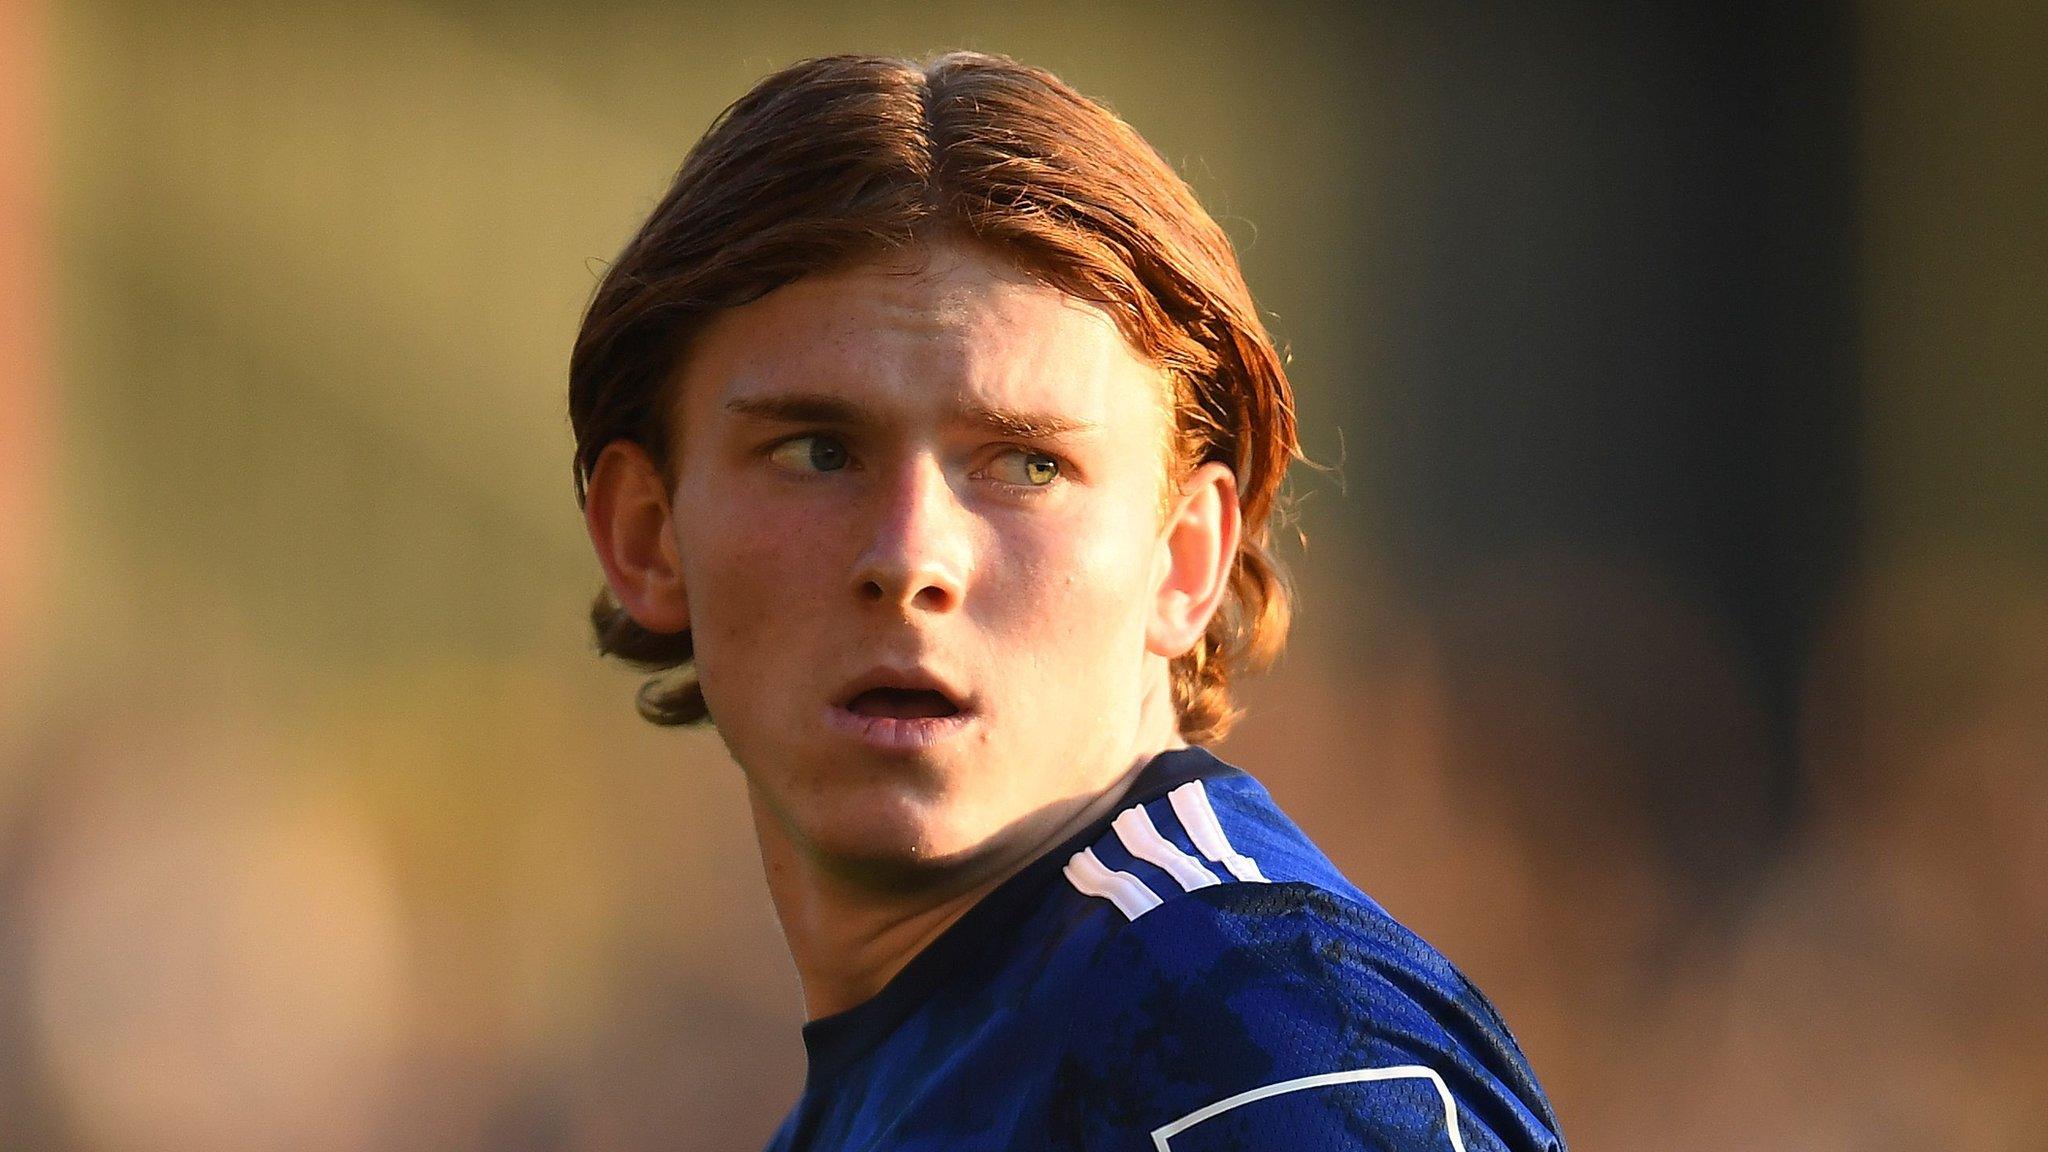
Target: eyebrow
point(817, 408)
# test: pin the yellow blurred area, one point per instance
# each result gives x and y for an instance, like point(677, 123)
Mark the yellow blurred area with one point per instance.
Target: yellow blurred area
point(323, 827)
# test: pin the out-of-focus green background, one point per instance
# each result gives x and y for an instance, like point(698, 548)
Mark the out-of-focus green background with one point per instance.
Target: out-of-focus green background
point(1673, 649)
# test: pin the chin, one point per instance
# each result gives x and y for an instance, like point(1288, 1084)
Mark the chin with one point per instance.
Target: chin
point(898, 840)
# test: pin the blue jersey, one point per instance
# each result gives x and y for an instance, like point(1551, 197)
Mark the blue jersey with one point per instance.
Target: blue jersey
point(1190, 974)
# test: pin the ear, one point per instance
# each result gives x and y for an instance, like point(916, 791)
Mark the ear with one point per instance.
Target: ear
point(626, 509)
point(1196, 554)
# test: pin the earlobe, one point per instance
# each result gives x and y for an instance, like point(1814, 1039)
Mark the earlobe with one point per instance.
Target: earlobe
point(1197, 552)
point(626, 512)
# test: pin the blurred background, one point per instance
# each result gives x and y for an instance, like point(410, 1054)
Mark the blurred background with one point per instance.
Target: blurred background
point(1673, 646)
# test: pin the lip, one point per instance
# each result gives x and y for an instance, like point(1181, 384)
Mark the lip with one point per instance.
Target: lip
point(912, 676)
point(899, 733)
point(896, 733)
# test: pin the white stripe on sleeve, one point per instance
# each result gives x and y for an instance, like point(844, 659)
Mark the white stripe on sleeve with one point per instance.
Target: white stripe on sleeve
point(1191, 803)
point(1091, 877)
point(1142, 839)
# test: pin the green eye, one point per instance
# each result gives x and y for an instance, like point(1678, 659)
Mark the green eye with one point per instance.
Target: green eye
point(810, 454)
point(1025, 468)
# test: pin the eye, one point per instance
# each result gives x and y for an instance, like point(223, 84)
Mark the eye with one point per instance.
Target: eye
point(1025, 468)
point(809, 454)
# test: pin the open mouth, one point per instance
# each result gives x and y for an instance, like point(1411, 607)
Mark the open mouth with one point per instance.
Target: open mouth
point(902, 704)
point(902, 710)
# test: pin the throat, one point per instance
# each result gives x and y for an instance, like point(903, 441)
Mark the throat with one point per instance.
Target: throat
point(844, 960)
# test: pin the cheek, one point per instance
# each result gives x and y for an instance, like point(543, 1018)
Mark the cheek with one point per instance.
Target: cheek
point(1078, 587)
point(744, 571)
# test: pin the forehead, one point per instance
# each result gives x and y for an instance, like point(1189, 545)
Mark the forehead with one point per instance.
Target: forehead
point(942, 326)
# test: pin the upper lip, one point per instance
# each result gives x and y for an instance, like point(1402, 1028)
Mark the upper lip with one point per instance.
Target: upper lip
point(911, 677)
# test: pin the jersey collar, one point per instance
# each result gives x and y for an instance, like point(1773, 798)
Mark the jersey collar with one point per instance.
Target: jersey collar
point(834, 1042)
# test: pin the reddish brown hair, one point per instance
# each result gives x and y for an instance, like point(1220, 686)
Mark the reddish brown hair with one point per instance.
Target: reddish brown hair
point(840, 159)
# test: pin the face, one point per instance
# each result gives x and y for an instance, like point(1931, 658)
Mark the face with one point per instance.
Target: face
point(921, 543)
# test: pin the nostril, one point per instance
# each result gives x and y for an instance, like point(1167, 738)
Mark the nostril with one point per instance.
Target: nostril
point(871, 591)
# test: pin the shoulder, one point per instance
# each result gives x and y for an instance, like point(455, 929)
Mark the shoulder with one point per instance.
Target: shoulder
point(1157, 850)
point(1248, 1010)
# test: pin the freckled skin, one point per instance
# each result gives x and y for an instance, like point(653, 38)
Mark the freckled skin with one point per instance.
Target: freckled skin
point(921, 540)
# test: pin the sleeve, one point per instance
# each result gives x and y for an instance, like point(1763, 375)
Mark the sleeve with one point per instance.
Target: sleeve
point(1251, 1017)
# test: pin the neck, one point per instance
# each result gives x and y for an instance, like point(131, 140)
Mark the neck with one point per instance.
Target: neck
point(851, 933)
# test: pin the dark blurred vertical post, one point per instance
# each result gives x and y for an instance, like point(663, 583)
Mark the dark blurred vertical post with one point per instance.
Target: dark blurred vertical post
point(1617, 436)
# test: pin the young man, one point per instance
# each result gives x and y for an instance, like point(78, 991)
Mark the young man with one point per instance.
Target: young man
point(927, 435)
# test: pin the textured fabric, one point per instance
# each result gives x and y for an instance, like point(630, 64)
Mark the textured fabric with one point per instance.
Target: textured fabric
point(1189, 975)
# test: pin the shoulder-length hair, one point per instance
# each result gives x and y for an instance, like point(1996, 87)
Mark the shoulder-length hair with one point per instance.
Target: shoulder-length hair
point(841, 159)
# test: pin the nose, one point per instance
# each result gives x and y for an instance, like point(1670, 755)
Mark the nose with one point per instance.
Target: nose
point(920, 547)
